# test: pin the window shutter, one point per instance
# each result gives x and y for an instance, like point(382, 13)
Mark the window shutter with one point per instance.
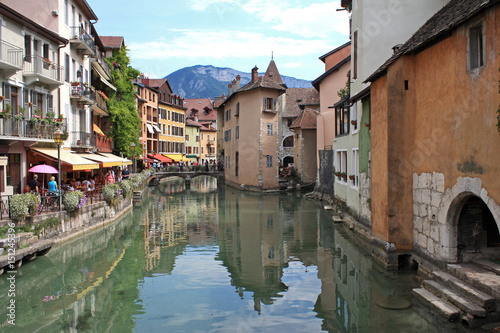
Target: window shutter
point(274, 104)
point(26, 99)
point(264, 104)
point(6, 93)
point(33, 100)
point(49, 103)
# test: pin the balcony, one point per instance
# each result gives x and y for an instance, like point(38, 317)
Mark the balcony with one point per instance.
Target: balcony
point(100, 107)
point(82, 94)
point(101, 65)
point(83, 42)
point(11, 57)
point(37, 69)
point(82, 139)
point(25, 129)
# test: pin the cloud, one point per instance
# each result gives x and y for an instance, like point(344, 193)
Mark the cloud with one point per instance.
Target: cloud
point(292, 64)
point(206, 44)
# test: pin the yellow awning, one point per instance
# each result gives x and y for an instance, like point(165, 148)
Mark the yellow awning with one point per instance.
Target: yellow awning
point(97, 130)
point(177, 157)
point(76, 161)
point(104, 161)
point(123, 161)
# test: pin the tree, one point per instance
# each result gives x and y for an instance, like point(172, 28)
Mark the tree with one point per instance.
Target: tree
point(125, 120)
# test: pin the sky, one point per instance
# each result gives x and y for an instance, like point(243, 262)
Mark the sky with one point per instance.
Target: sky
point(166, 35)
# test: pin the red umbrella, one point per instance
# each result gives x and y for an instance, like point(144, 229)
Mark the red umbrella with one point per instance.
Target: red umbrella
point(43, 168)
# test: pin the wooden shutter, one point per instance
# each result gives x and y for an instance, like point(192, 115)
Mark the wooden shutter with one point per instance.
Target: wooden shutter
point(274, 104)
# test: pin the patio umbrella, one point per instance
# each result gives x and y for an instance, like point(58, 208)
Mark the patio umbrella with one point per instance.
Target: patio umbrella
point(43, 168)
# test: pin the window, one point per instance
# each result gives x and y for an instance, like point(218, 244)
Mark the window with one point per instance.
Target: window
point(355, 56)
point(187, 137)
point(341, 165)
point(269, 104)
point(66, 7)
point(27, 48)
point(354, 117)
point(269, 129)
point(201, 136)
point(354, 176)
point(341, 119)
point(289, 122)
point(237, 113)
point(269, 161)
point(237, 133)
point(288, 142)
point(168, 114)
point(476, 47)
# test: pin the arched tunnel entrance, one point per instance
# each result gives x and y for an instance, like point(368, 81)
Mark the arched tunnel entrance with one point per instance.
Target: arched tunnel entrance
point(478, 235)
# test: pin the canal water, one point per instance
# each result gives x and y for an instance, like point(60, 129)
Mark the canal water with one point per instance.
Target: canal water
point(209, 259)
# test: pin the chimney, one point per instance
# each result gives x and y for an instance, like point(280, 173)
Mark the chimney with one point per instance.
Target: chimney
point(230, 86)
point(238, 83)
point(196, 118)
point(255, 74)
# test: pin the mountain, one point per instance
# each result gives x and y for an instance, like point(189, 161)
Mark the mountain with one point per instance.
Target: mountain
point(209, 81)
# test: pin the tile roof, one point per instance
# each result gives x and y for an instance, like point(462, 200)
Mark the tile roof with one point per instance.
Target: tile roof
point(273, 73)
point(438, 26)
point(191, 122)
point(113, 42)
point(306, 120)
point(204, 108)
point(297, 97)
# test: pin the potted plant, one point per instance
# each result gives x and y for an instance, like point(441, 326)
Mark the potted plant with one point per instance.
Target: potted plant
point(343, 175)
point(351, 177)
point(354, 122)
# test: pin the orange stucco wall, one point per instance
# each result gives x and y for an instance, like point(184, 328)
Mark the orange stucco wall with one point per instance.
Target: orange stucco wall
point(337, 57)
point(445, 122)
point(253, 144)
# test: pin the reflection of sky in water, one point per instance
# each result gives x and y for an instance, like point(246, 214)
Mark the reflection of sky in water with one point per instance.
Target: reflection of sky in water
point(198, 297)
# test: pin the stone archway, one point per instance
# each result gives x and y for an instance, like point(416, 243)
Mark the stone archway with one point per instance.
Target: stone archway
point(472, 222)
point(477, 233)
point(287, 160)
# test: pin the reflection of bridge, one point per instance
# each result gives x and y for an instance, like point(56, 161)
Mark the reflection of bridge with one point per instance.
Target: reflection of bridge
point(188, 175)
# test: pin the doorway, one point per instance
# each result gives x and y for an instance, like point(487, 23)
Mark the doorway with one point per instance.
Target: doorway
point(478, 235)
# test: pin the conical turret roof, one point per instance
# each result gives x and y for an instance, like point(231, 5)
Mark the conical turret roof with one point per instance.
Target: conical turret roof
point(273, 73)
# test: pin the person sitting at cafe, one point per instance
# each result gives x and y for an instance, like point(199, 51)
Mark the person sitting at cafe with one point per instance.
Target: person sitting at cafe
point(33, 184)
point(110, 178)
point(53, 185)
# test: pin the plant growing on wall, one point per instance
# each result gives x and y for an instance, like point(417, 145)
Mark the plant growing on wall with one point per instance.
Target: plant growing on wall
point(125, 120)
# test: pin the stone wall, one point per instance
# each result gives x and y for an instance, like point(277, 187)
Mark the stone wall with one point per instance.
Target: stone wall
point(365, 210)
point(436, 211)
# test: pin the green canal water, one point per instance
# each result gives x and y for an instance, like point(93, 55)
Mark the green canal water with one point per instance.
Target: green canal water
point(208, 259)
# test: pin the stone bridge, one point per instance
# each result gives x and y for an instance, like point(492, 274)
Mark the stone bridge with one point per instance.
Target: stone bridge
point(187, 175)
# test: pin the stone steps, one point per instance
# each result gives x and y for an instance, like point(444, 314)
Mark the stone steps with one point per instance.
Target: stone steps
point(450, 312)
point(469, 291)
point(482, 299)
point(454, 298)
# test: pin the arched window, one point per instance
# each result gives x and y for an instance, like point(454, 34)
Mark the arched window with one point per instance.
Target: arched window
point(288, 142)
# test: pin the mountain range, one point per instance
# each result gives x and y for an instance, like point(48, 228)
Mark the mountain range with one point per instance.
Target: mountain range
point(209, 81)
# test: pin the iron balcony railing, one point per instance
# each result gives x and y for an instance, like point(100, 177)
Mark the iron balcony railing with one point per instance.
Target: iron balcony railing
point(78, 34)
point(36, 65)
point(11, 55)
point(83, 93)
point(85, 139)
point(31, 129)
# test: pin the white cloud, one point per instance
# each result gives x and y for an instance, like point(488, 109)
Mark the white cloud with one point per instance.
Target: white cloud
point(207, 44)
point(201, 5)
point(292, 64)
point(317, 20)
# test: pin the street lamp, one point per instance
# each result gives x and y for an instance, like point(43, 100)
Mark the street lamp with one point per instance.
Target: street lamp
point(59, 138)
point(132, 147)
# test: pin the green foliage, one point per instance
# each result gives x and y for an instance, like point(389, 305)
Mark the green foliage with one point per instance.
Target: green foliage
point(46, 224)
point(73, 200)
point(126, 123)
point(346, 91)
point(110, 192)
point(22, 205)
point(125, 187)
